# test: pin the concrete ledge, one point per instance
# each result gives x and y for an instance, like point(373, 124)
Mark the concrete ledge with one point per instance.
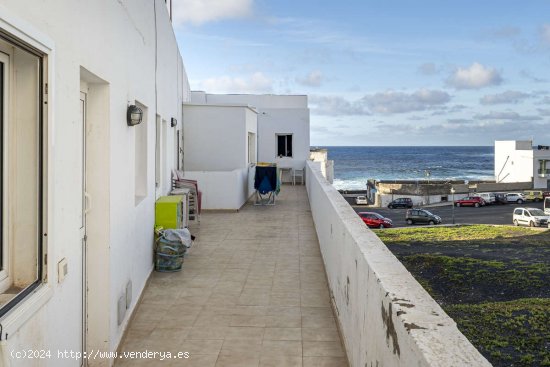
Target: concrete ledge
point(386, 317)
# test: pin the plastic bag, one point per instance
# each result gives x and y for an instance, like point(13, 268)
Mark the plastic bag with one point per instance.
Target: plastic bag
point(182, 236)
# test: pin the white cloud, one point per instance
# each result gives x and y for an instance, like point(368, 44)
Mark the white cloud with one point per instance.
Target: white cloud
point(256, 83)
point(336, 106)
point(399, 102)
point(474, 77)
point(459, 121)
point(506, 115)
point(202, 11)
point(504, 97)
point(313, 79)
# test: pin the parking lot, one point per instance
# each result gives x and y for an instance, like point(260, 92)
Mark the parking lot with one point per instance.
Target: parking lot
point(490, 214)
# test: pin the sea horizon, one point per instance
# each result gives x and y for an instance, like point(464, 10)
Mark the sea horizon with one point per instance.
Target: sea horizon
point(396, 146)
point(355, 165)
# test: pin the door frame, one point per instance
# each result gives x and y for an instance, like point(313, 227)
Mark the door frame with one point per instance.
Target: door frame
point(83, 234)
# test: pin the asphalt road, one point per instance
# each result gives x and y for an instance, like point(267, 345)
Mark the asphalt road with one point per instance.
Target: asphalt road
point(490, 214)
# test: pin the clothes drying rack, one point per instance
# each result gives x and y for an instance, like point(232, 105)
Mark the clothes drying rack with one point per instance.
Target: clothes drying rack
point(266, 183)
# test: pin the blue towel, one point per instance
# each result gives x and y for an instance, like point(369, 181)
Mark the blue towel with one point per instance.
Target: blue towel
point(265, 186)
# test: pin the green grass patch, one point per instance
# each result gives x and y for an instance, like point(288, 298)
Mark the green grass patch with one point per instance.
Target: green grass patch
point(453, 279)
point(493, 281)
point(508, 333)
point(459, 233)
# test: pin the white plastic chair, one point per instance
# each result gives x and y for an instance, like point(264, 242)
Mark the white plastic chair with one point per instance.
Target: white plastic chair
point(298, 173)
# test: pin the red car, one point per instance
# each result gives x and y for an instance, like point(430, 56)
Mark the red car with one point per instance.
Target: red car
point(375, 220)
point(470, 201)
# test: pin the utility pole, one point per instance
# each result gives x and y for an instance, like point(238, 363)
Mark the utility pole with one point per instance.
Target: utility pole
point(453, 203)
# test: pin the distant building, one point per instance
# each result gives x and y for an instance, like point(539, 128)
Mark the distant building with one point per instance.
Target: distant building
point(327, 166)
point(519, 161)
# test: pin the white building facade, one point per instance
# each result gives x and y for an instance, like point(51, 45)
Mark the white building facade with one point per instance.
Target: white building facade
point(220, 148)
point(283, 125)
point(78, 183)
point(519, 161)
point(250, 128)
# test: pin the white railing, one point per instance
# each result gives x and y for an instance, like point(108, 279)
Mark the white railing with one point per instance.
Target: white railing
point(386, 318)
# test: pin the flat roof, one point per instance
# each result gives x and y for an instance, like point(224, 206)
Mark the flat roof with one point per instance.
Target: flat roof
point(253, 109)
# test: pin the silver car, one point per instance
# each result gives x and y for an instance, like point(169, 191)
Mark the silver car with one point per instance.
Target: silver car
point(515, 197)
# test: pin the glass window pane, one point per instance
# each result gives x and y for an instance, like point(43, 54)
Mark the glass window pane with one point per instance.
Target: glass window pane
point(289, 146)
point(281, 145)
point(21, 173)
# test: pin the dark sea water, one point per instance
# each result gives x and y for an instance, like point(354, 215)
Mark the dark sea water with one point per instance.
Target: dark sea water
point(353, 166)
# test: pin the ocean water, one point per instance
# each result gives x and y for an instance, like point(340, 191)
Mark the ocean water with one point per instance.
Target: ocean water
point(353, 166)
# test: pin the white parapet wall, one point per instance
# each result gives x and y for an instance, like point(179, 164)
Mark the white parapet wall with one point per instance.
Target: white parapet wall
point(386, 318)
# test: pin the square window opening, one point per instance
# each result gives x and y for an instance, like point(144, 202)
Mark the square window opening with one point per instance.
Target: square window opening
point(284, 145)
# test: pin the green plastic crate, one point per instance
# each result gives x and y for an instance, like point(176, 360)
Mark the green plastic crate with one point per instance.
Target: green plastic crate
point(168, 212)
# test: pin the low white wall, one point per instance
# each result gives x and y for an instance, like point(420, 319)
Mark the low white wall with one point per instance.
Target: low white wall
point(386, 317)
point(222, 190)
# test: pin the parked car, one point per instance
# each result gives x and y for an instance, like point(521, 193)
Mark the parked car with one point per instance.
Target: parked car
point(375, 220)
point(361, 200)
point(489, 197)
point(515, 197)
point(535, 195)
point(401, 203)
point(531, 217)
point(414, 216)
point(470, 201)
point(500, 198)
point(545, 194)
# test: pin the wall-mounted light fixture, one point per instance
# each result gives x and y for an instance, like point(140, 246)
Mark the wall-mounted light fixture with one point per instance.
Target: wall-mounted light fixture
point(134, 115)
point(173, 122)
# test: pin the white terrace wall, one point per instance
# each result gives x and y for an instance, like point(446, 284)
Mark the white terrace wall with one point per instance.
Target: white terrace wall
point(386, 318)
point(222, 190)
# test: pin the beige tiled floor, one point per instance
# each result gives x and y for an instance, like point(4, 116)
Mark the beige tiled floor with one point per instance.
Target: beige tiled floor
point(252, 293)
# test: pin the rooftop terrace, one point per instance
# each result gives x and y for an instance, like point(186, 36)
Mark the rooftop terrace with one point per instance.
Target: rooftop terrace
point(253, 292)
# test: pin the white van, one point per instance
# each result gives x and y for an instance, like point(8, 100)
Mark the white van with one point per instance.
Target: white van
point(547, 205)
point(489, 197)
point(531, 217)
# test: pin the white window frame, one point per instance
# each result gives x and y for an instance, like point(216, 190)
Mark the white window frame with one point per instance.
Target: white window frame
point(8, 274)
point(27, 303)
point(5, 278)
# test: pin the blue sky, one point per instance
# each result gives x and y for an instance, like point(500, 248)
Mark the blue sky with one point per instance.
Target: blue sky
point(381, 72)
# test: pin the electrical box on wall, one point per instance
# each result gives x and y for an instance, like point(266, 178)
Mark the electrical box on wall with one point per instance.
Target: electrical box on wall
point(62, 269)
